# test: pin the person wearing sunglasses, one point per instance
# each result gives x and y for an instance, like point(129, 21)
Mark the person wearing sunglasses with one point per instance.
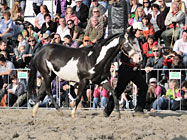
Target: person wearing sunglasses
point(29, 31)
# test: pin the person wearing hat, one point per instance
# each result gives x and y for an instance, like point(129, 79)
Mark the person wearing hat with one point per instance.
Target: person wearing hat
point(81, 11)
point(4, 7)
point(46, 39)
point(127, 73)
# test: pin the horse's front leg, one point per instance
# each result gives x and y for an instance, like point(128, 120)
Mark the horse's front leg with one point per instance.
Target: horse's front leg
point(81, 89)
point(108, 87)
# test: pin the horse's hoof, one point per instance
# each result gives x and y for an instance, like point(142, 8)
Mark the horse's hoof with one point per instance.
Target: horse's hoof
point(105, 114)
point(72, 104)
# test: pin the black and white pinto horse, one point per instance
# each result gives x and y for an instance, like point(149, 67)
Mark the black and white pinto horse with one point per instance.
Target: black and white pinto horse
point(81, 65)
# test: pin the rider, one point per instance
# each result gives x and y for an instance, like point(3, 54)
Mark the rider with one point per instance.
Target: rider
point(127, 73)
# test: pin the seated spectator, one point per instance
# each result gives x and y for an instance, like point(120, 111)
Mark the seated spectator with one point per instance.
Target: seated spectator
point(139, 14)
point(76, 32)
point(148, 27)
point(147, 7)
point(174, 22)
point(29, 31)
point(81, 11)
point(62, 29)
point(36, 6)
point(5, 70)
point(177, 63)
point(57, 39)
point(182, 6)
point(61, 6)
point(163, 7)
point(14, 90)
point(57, 18)
point(70, 15)
point(48, 26)
point(86, 42)
point(3, 47)
point(95, 3)
point(6, 24)
point(95, 31)
point(4, 8)
point(180, 47)
point(17, 13)
point(39, 20)
point(46, 39)
point(69, 42)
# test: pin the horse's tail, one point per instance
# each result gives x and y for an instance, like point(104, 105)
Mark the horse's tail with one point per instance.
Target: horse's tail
point(32, 80)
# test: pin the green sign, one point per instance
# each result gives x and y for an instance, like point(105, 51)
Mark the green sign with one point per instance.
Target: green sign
point(175, 75)
point(22, 75)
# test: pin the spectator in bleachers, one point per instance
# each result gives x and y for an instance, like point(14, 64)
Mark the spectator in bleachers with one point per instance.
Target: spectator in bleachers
point(3, 47)
point(76, 32)
point(46, 39)
point(30, 50)
point(148, 27)
point(57, 39)
point(95, 31)
point(163, 7)
point(48, 26)
point(182, 6)
point(23, 4)
point(61, 6)
point(36, 6)
point(70, 15)
point(57, 18)
point(62, 29)
point(174, 21)
point(69, 42)
point(81, 11)
point(95, 3)
point(5, 70)
point(86, 42)
point(184, 88)
point(139, 14)
point(17, 13)
point(29, 31)
point(177, 62)
point(4, 7)
point(39, 20)
point(147, 7)
point(6, 24)
point(180, 47)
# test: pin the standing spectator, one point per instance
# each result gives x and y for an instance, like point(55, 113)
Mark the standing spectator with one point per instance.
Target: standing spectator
point(96, 96)
point(61, 6)
point(95, 31)
point(70, 15)
point(6, 26)
point(81, 11)
point(39, 20)
point(147, 7)
point(104, 97)
point(100, 7)
point(62, 29)
point(4, 7)
point(48, 26)
point(17, 13)
point(36, 6)
point(174, 21)
point(69, 42)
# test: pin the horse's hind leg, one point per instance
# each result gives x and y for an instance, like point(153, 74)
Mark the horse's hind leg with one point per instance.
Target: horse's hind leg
point(82, 87)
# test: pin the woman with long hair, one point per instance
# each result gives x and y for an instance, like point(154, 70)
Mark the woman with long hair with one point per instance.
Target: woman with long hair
point(17, 13)
point(70, 15)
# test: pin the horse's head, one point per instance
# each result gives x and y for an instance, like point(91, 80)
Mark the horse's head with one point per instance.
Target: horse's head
point(131, 48)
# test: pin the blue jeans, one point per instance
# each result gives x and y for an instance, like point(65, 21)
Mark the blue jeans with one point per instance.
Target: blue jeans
point(160, 103)
point(95, 102)
point(104, 101)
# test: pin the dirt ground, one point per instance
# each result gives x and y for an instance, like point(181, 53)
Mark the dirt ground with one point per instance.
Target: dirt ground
point(17, 124)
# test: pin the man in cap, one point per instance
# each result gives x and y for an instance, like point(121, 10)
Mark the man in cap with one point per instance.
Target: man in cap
point(127, 73)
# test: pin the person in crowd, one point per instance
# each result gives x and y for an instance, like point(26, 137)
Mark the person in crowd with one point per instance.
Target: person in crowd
point(17, 13)
point(29, 31)
point(56, 39)
point(70, 15)
point(104, 97)
point(139, 14)
point(5, 70)
point(39, 20)
point(46, 39)
point(163, 7)
point(76, 32)
point(14, 89)
point(95, 31)
point(174, 21)
point(6, 24)
point(180, 47)
point(69, 42)
point(22, 4)
point(48, 26)
point(61, 6)
point(81, 11)
point(31, 48)
point(153, 92)
point(96, 96)
point(184, 88)
point(57, 18)
point(3, 8)
point(148, 27)
point(127, 74)
point(36, 6)
point(86, 42)
point(62, 29)
point(95, 3)
point(3, 47)
point(182, 6)
point(147, 7)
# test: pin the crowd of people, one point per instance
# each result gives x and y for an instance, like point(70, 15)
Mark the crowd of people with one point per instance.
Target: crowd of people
point(162, 40)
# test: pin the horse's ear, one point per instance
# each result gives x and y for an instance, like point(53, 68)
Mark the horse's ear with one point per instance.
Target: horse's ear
point(131, 33)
